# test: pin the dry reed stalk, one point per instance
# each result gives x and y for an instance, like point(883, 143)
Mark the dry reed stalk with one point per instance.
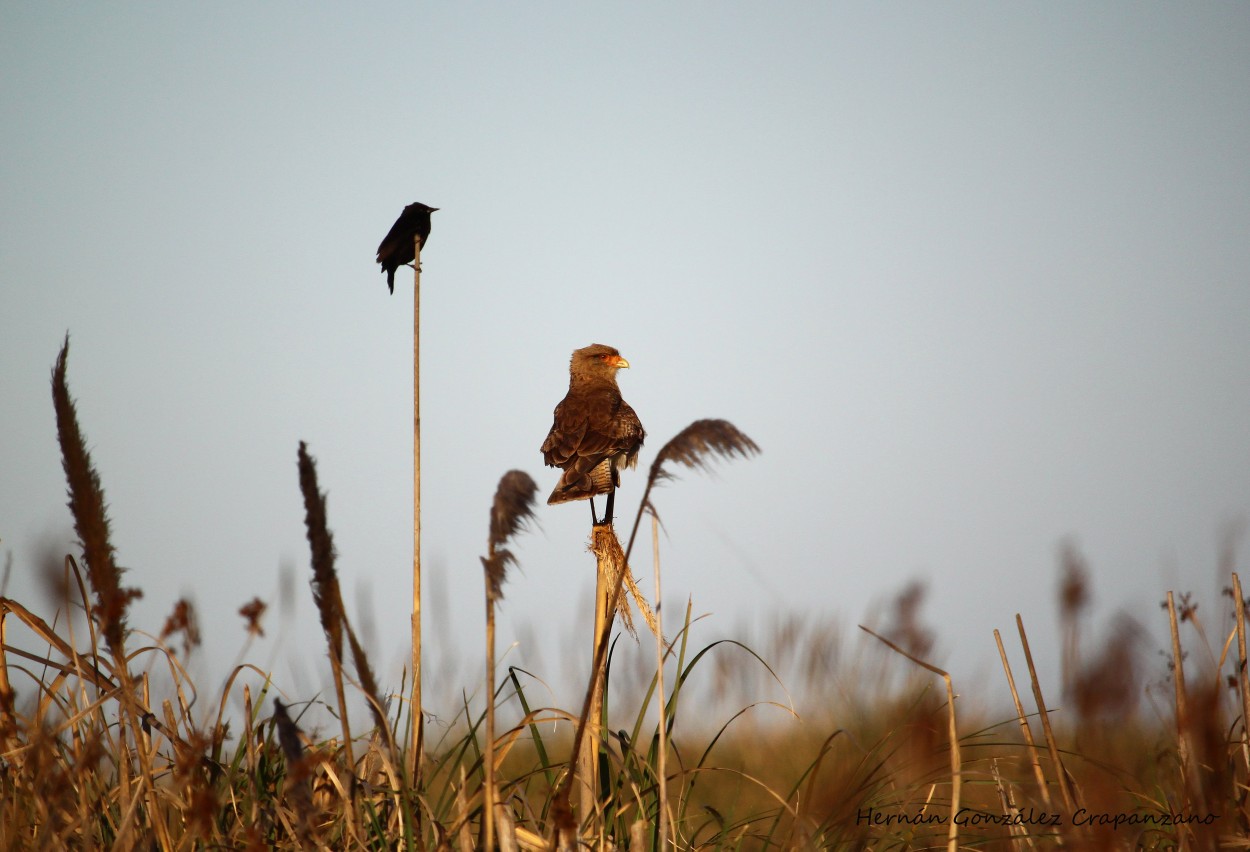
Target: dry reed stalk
point(1178, 683)
point(87, 504)
point(1074, 599)
point(609, 573)
point(488, 759)
point(1040, 776)
point(507, 830)
point(952, 835)
point(464, 839)
point(251, 755)
point(1009, 806)
point(512, 507)
point(662, 754)
point(1243, 677)
point(610, 562)
point(1061, 774)
point(417, 718)
point(392, 764)
point(329, 600)
point(8, 719)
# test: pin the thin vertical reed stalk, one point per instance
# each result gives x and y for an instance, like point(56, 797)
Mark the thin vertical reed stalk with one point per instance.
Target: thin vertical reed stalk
point(603, 626)
point(588, 758)
point(1178, 683)
point(1025, 729)
point(1243, 678)
point(661, 762)
point(325, 585)
point(952, 833)
point(512, 507)
point(418, 726)
point(488, 759)
point(610, 562)
point(8, 719)
point(1061, 774)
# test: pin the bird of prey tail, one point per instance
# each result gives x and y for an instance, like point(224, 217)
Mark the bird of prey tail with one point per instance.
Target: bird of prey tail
point(595, 433)
point(397, 247)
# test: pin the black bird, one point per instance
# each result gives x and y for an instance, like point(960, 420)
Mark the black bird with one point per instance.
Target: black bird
point(397, 247)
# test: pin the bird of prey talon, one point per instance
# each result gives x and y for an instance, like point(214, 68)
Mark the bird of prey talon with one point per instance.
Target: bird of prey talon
point(397, 247)
point(595, 433)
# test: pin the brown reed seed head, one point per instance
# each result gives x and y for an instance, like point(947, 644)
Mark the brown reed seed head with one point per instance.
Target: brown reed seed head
point(252, 611)
point(907, 630)
point(86, 503)
point(325, 581)
point(1109, 686)
point(699, 444)
point(512, 507)
point(1073, 583)
point(183, 620)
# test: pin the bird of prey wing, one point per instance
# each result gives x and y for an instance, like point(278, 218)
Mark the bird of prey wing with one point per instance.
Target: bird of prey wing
point(593, 436)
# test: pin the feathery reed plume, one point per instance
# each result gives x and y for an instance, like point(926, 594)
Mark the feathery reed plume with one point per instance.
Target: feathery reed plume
point(696, 447)
point(1074, 598)
point(183, 620)
point(252, 611)
point(1110, 684)
point(325, 583)
point(512, 508)
point(907, 631)
point(86, 502)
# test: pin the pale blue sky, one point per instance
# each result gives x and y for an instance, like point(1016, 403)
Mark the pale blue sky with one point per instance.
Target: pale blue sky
point(975, 276)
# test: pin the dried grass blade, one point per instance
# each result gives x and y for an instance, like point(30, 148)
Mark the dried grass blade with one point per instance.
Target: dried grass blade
point(952, 838)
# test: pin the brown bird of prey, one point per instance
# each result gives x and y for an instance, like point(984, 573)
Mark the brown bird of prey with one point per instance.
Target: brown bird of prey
point(397, 248)
point(595, 432)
